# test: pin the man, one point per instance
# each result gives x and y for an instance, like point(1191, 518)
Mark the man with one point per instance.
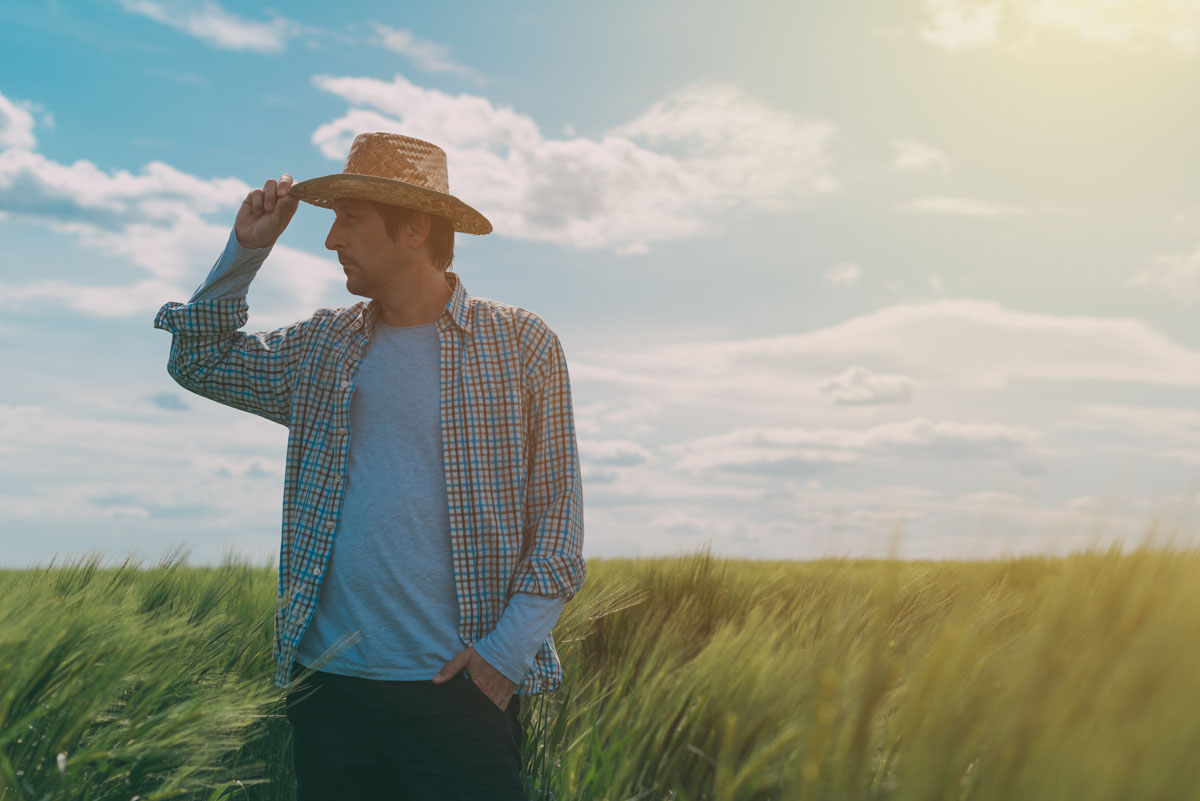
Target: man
point(432, 510)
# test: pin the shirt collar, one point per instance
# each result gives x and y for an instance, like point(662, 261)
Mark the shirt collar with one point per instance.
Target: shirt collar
point(458, 308)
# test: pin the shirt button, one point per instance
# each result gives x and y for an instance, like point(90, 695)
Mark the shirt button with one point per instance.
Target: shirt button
point(345, 384)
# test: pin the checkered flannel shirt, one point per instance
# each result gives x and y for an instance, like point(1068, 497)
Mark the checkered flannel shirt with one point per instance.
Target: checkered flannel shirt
point(508, 442)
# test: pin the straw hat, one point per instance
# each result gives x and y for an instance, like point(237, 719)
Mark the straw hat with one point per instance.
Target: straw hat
point(395, 169)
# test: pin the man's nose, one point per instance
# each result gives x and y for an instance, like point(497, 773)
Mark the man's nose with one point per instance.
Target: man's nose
point(334, 239)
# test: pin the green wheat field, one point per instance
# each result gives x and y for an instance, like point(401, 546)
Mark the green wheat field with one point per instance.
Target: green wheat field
point(686, 678)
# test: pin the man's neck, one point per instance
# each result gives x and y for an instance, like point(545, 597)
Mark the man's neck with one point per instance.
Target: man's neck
point(415, 302)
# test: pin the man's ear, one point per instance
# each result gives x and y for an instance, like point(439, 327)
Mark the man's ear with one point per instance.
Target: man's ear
point(416, 230)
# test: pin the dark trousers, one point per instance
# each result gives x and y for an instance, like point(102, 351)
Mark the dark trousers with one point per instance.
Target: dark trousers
point(363, 739)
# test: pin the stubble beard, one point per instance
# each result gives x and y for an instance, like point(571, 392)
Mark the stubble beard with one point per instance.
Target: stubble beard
point(356, 286)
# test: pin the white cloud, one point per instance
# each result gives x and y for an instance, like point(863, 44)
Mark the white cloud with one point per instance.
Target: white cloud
point(1136, 24)
point(1176, 273)
point(141, 297)
point(1187, 218)
point(1178, 455)
point(128, 512)
point(881, 521)
point(674, 172)
point(844, 274)
point(911, 156)
point(112, 475)
point(958, 206)
point(425, 55)
point(16, 124)
point(960, 343)
point(982, 342)
point(1174, 425)
point(689, 524)
point(1123, 23)
point(176, 248)
point(604, 461)
point(992, 498)
point(958, 24)
point(594, 419)
point(1083, 503)
point(746, 151)
point(290, 285)
point(211, 23)
point(613, 453)
point(34, 186)
point(287, 288)
point(106, 421)
point(859, 386)
point(754, 416)
point(152, 219)
point(766, 448)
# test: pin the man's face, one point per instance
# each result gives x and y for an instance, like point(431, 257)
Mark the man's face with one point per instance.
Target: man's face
point(369, 257)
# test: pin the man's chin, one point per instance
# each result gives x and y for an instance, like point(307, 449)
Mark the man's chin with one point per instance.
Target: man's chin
point(354, 288)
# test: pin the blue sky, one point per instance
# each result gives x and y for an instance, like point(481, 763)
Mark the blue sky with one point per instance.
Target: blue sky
point(832, 279)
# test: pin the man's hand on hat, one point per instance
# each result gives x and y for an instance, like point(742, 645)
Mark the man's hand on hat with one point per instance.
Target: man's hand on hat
point(265, 213)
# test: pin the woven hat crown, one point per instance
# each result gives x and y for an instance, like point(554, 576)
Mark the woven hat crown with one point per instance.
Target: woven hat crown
point(401, 158)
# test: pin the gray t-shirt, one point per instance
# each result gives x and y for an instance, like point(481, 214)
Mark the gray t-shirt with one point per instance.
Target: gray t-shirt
point(390, 576)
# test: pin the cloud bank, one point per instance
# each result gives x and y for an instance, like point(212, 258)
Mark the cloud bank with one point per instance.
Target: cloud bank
point(676, 171)
point(967, 344)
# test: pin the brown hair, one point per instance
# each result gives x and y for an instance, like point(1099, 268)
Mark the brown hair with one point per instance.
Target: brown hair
point(441, 231)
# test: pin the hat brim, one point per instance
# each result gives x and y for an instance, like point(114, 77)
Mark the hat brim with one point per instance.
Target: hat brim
point(327, 189)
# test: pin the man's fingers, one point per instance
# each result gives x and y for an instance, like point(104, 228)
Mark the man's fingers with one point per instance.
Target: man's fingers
point(451, 668)
point(285, 209)
point(269, 195)
point(285, 184)
point(285, 206)
point(256, 201)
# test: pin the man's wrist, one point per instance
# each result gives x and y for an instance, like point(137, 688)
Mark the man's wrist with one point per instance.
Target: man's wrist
point(484, 649)
point(512, 646)
point(235, 268)
point(250, 248)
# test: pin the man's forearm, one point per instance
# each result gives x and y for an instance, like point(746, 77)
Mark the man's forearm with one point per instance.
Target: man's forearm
point(526, 623)
point(230, 277)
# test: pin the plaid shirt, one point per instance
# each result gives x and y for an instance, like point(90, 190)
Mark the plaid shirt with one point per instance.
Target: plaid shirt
point(508, 443)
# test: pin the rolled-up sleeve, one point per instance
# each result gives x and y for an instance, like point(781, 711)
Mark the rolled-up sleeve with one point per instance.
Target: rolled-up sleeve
point(552, 547)
point(256, 373)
